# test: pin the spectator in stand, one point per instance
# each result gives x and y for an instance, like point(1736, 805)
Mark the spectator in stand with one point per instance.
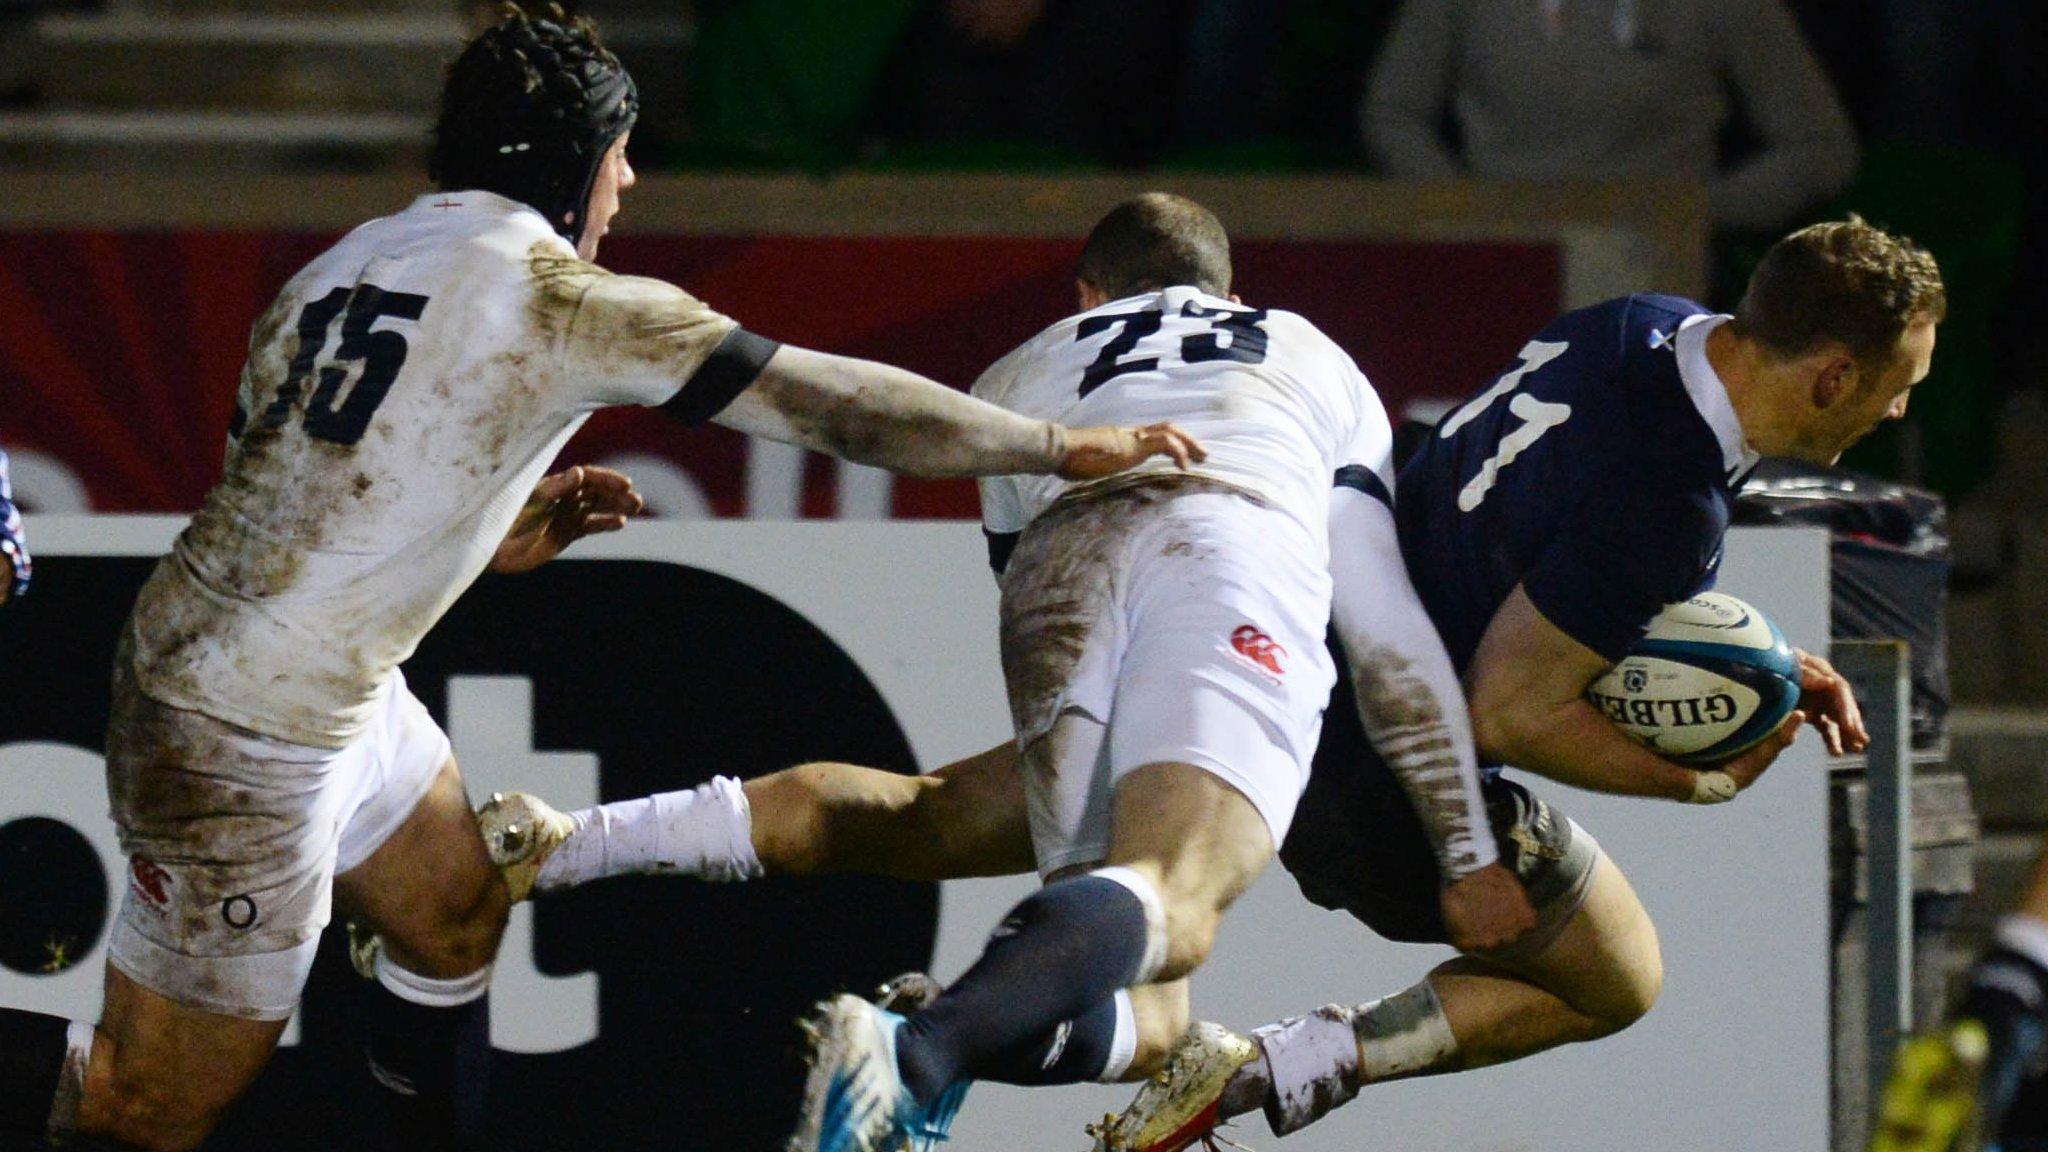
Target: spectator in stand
point(1067, 73)
point(14, 567)
point(1122, 82)
point(1611, 90)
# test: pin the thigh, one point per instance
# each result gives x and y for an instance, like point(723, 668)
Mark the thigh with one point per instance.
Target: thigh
point(162, 1070)
point(429, 890)
point(1606, 960)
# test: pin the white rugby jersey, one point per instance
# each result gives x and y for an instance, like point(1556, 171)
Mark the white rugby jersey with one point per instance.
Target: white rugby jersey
point(402, 397)
point(1279, 406)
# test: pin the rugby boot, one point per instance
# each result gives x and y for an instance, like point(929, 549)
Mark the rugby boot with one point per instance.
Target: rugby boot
point(521, 831)
point(363, 946)
point(1181, 1104)
point(854, 1098)
point(1930, 1104)
point(907, 994)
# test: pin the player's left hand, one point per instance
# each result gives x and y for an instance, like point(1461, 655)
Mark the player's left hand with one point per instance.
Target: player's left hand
point(1093, 453)
point(1486, 910)
point(563, 509)
point(1830, 706)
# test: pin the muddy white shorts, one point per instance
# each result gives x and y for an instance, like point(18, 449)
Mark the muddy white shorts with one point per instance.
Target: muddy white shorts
point(234, 839)
point(1179, 621)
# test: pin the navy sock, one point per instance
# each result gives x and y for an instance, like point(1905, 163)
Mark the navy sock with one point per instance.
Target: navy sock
point(32, 1048)
point(1076, 1051)
point(1057, 955)
point(432, 1066)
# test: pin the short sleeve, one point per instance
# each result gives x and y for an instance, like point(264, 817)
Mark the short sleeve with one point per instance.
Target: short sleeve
point(635, 340)
point(1624, 554)
point(1365, 462)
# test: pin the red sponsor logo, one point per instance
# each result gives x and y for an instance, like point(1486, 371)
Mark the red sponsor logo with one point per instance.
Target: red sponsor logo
point(148, 880)
point(1260, 649)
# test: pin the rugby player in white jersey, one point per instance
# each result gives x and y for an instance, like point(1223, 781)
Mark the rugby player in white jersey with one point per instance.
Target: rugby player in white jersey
point(401, 401)
point(1162, 640)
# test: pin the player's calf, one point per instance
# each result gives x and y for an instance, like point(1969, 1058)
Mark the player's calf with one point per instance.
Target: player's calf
point(1060, 957)
point(440, 908)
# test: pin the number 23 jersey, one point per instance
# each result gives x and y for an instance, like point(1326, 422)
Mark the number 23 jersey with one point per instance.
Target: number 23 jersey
point(401, 398)
point(1279, 406)
point(1598, 473)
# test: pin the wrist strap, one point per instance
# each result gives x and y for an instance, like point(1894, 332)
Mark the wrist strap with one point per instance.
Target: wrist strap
point(1713, 787)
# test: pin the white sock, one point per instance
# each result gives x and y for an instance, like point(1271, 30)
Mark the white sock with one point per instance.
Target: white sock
point(1155, 918)
point(706, 832)
point(1124, 1048)
point(1319, 1061)
point(71, 1081)
point(427, 991)
point(1311, 1065)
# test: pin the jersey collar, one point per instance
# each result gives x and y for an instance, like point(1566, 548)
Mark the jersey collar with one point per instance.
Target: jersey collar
point(471, 201)
point(1709, 394)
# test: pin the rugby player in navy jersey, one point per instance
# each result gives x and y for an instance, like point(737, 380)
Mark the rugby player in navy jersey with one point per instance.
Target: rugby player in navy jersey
point(14, 563)
point(1545, 524)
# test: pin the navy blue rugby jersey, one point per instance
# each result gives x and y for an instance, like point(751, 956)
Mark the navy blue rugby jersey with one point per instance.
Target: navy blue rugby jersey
point(1594, 472)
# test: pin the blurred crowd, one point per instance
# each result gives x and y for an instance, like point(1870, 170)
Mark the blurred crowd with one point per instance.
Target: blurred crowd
point(1923, 113)
point(1762, 99)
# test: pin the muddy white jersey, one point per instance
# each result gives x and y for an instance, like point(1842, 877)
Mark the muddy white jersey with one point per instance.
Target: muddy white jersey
point(401, 398)
point(1277, 404)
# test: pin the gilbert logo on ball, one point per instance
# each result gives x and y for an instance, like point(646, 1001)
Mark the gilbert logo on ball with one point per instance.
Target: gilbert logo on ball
point(1710, 678)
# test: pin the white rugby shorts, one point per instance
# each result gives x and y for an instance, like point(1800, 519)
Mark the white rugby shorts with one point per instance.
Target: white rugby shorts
point(234, 840)
point(1176, 621)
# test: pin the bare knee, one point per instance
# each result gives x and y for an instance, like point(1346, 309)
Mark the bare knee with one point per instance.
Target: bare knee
point(1622, 988)
point(1635, 992)
point(458, 936)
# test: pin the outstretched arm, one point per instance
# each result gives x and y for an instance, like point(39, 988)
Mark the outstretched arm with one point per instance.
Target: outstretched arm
point(874, 414)
point(1414, 714)
point(638, 341)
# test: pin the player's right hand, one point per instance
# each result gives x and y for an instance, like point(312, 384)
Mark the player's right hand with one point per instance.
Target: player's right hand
point(1745, 769)
point(1486, 910)
point(1093, 453)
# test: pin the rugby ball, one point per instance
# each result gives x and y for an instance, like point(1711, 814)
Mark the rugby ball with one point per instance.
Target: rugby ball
point(1710, 678)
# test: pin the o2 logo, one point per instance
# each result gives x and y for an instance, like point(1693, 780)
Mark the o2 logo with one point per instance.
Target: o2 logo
point(586, 681)
point(59, 857)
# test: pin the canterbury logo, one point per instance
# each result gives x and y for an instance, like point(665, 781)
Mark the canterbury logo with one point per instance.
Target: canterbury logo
point(1260, 649)
point(147, 879)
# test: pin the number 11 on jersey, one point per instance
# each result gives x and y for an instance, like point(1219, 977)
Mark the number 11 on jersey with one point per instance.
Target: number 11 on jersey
point(1538, 416)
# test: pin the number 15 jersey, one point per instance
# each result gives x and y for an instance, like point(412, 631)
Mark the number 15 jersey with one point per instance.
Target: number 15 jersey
point(401, 398)
point(1279, 406)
